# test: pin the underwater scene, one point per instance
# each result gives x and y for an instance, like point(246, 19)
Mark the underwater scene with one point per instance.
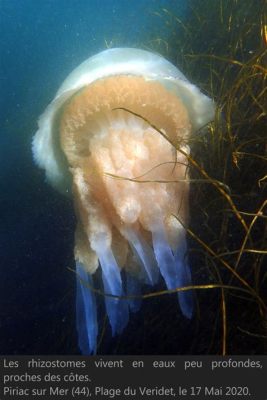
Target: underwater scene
point(133, 153)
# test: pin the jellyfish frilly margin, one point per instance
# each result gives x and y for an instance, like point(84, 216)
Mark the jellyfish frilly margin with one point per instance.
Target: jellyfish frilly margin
point(98, 128)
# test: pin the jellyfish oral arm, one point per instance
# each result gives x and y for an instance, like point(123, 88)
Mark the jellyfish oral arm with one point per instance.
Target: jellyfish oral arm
point(137, 210)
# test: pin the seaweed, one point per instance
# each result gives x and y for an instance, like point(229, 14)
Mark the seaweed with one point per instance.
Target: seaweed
point(221, 46)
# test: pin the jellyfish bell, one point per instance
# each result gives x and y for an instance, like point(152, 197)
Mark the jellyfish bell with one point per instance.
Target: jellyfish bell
point(116, 137)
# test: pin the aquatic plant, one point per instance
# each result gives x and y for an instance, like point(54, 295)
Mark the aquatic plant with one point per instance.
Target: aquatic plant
point(222, 46)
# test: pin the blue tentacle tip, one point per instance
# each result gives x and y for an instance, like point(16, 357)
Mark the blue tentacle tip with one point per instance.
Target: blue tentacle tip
point(86, 313)
point(117, 309)
point(185, 298)
point(133, 289)
point(174, 270)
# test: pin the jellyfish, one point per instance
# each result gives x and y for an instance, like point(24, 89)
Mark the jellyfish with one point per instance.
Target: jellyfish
point(116, 138)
